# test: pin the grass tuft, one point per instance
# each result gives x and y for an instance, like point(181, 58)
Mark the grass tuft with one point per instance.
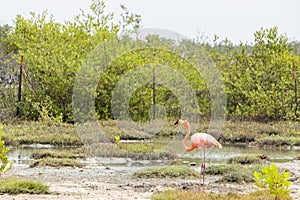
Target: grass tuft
point(248, 159)
point(238, 176)
point(20, 186)
point(167, 171)
point(215, 170)
point(49, 153)
point(56, 162)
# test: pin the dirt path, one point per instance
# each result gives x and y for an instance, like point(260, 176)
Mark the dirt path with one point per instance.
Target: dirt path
point(96, 182)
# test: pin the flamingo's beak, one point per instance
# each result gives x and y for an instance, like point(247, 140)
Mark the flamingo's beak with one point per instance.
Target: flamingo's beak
point(176, 122)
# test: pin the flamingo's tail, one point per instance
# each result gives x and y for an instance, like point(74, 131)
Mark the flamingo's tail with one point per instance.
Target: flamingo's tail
point(218, 144)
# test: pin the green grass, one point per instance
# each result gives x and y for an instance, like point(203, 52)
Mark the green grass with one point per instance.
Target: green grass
point(20, 186)
point(190, 195)
point(171, 171)
point(142, 147)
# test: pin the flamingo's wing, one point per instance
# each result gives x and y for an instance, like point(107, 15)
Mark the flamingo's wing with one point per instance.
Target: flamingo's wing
point(204, 140)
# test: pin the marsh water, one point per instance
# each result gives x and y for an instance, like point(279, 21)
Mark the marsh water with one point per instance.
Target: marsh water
point(23, 156)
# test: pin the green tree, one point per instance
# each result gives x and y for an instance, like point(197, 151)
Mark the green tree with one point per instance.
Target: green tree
point(260, 84)
point(53, 53)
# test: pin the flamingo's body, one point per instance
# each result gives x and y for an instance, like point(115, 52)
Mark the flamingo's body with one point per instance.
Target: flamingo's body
point(202, 141)
point(198, 140)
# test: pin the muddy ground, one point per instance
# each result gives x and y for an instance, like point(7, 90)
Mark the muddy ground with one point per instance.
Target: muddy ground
point(100, 180)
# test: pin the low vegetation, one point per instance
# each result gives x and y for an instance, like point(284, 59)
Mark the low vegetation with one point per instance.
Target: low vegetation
point(14, 185)
point(40, 132)
point(237, 176)
point(233, 173)
point(113, 150)
point(65, 153)
point(63, 158)
point(229, 173)
point(279, 141)
point(282, 133)
point(215, 170)
point(248, 159)
point(191, 195)
point(172, 171)
point(56, 162)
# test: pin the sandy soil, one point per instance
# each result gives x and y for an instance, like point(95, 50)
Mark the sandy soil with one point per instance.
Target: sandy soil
point(99, 181)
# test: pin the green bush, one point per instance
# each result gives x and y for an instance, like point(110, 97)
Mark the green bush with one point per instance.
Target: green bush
point(278, 184)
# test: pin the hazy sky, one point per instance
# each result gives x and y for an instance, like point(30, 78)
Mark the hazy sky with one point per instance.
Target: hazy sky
point(235, 19)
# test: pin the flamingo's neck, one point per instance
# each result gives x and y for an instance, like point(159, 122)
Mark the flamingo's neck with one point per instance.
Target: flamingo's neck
point(188, 130)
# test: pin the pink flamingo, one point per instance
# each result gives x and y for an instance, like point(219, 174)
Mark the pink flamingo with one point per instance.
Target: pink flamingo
point(198, 140)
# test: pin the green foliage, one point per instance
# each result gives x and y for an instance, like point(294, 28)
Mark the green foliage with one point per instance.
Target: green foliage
point(260, 79)
point(277, 184)
point(5, 164)
point(117, 138)
point(257, 80)
point(19, 186)
point(53, 53)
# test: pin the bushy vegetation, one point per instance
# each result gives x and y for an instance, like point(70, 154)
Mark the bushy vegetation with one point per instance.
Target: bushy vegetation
point(269, 178)
point(260, 80)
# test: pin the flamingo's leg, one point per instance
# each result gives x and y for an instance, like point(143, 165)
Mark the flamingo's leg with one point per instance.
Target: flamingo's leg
point(200, 170)
point(201, 178)
point(203, 166)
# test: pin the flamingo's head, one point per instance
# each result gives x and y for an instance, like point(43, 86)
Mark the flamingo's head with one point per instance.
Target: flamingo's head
point(182, 122)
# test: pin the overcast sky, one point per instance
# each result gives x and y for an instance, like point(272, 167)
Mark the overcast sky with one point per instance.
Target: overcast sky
point(235, 19)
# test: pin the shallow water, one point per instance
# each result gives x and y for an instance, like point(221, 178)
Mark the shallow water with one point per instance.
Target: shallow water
point(22, 156)
point(229, 151)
